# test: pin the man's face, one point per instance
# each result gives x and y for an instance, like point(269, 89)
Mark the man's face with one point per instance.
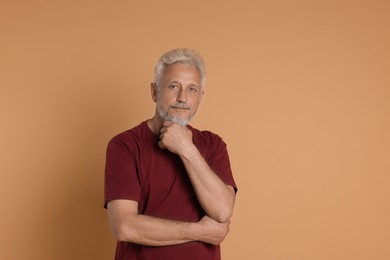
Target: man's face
point(179, 94)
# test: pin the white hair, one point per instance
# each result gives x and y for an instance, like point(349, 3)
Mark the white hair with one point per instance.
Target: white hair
point(180, 55)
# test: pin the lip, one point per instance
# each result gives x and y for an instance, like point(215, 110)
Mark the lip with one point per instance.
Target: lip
point(181, 108)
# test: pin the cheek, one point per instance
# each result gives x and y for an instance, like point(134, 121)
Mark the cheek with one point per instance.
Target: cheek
point(165, 97)
point(163, 102)
point(195, 102)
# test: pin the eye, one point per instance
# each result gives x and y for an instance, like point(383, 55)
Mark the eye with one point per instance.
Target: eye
point(173, 87)
point(193, 90)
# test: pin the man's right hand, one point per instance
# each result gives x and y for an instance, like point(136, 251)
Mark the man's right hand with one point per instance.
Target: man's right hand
point(211, 231)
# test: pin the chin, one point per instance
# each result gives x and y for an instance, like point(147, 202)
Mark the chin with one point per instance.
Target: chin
point(183, 121)
point(177, 120)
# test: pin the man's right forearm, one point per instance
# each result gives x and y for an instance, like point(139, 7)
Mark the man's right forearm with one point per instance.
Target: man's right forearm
point(128, 225)
point(152, 231)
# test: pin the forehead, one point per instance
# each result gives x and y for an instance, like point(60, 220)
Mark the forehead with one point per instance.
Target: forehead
point(181, 73)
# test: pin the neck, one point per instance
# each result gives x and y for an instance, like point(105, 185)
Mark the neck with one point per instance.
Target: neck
point(155, 124)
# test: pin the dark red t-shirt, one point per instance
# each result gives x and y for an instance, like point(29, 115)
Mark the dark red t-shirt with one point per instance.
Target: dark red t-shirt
point(137, 169)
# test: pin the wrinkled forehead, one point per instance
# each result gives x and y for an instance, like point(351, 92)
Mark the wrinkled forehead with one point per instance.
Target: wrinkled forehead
point(181, 72)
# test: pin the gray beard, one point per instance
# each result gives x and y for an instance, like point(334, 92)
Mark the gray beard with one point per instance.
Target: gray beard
point(164, 115)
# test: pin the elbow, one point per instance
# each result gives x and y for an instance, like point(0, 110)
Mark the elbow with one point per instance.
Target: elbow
point(225, 218)
point(123, 233)
point(225, 212)
point(120, 233)
point(222, 212)
point(224, 215)
point(226, 209)
point(122, 217)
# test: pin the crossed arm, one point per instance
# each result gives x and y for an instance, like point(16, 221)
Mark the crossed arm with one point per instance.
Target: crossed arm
point(128, 225)
point(216, 198)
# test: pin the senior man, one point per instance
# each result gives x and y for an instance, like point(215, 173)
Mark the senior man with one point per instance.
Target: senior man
point(169, 188)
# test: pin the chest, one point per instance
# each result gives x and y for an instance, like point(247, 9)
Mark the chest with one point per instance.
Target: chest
point(166, 190)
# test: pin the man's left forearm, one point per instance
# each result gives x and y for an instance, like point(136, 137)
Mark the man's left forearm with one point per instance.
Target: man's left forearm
point(216, 198)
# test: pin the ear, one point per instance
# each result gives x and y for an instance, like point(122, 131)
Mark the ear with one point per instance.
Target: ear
point(153, 91)
point(201, 95)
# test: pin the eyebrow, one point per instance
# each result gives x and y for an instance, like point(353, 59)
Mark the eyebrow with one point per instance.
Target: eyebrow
point(177, 82)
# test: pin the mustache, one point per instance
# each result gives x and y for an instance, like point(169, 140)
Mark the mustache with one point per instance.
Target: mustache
point(181, 106)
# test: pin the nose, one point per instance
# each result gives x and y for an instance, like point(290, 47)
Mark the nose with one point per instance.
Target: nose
point(181, 96)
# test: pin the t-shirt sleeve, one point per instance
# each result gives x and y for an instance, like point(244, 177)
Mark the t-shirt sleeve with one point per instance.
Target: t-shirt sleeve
point(121, 181)
point(219, 161)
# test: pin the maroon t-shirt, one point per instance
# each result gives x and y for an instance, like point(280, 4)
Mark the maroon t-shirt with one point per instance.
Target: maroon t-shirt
point(138, 169)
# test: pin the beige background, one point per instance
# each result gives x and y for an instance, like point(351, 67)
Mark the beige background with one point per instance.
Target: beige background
point(300, 91)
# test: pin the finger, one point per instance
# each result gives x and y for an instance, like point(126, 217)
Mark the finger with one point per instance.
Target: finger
point(167, 123)
point(163, 129)
point(161, 136)
point(161, 145)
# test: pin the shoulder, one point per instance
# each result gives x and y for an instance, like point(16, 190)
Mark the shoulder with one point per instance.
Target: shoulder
point(130, 137)
point(205, 134)
point(207, 138)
